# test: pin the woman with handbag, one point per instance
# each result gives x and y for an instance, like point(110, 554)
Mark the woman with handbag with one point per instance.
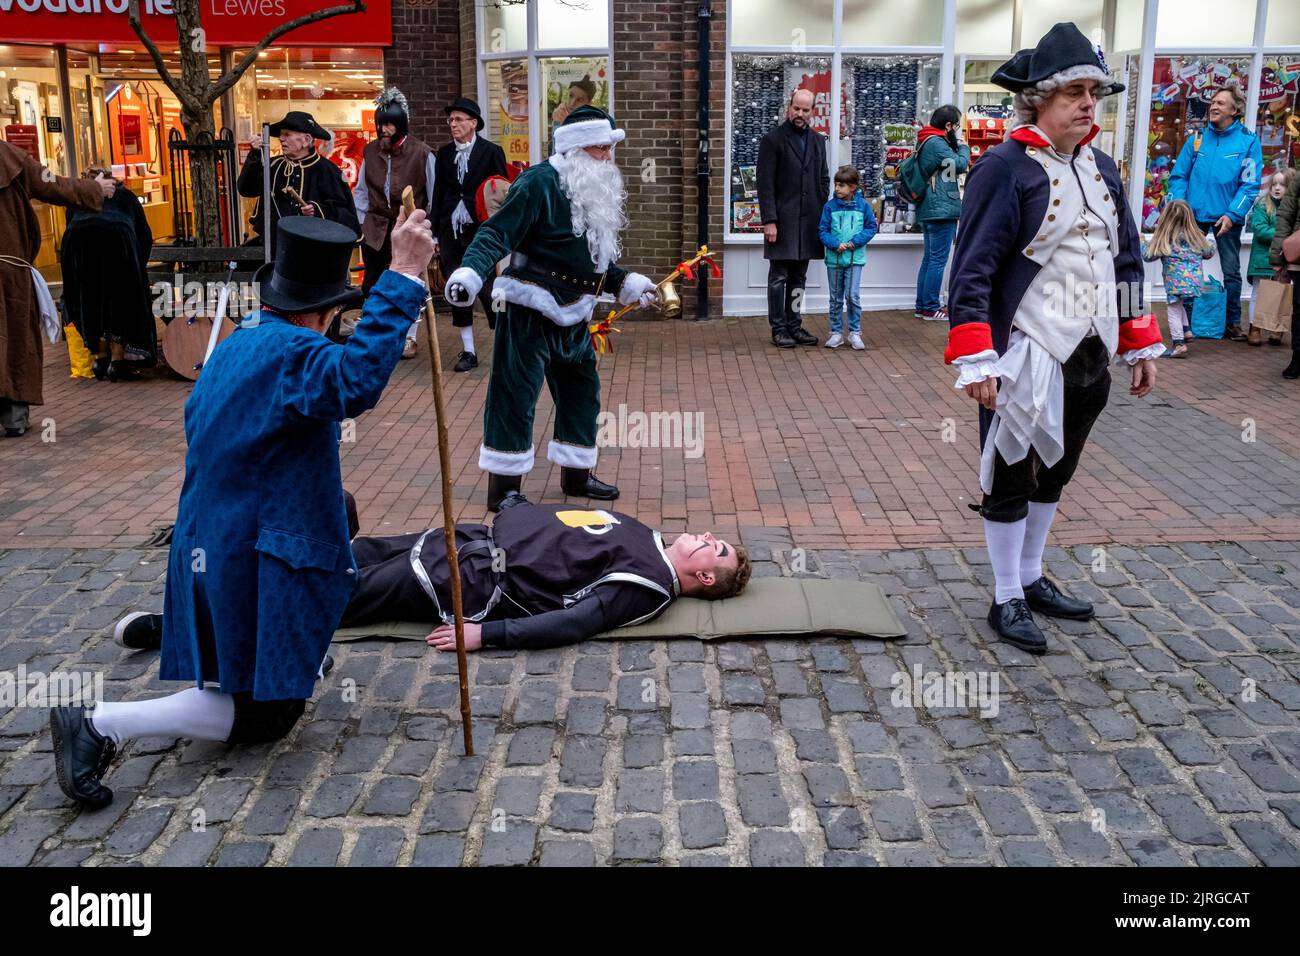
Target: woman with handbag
point(1284, 257)
point(1263, 223)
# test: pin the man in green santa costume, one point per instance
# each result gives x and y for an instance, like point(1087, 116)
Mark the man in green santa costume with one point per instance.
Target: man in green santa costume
point(560, 225)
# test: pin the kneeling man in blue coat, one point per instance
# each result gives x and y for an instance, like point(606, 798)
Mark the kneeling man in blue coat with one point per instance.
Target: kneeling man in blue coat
point(261, 567)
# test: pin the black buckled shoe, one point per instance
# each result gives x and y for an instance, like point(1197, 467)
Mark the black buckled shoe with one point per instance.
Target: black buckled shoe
point(100, 368)
point(1046, 598)
point(467, 361)
point(139, 631)
point(1014, 623)
point(581, 483)
point(513, 500)
point(802, 336)
point(783, 341)
point(81, 756)
point(501, 487)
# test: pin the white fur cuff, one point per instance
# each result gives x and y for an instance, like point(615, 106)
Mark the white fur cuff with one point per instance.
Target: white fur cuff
point(571, 456)
point(468, 279)
point(505, 462)
point(588, 133)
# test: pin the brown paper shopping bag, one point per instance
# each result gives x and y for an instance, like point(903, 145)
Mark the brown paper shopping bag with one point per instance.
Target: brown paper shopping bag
point(1273, 309)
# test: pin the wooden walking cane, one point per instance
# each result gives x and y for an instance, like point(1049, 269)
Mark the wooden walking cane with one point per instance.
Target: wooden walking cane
point(448, 520)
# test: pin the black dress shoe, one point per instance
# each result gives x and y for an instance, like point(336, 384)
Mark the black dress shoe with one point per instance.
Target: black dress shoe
point(15, 432)
point(783, 341)
point(581, 483)
point(139, 631)
point(1046, 598)
point(501, 487)
point(117, 372)
point(81, 756)
point(803, 337)
point(326, 666)
point(1015, 624)
point(513, 500)
point(1292, 371)
point(467, 361)
point(100, 368)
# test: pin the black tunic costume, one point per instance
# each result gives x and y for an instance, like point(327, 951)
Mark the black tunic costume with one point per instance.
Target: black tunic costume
point(105, 288)
point(540, 576)
point(316, 179)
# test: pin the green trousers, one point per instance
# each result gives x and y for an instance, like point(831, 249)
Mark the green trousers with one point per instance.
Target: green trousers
point(529, 349)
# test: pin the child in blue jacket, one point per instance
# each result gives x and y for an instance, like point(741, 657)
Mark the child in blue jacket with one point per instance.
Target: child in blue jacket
point(847, 225)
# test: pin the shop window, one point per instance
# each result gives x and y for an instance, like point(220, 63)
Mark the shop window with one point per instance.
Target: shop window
point(1283, 26)
point(889, 23)
point(761, 87)
point(1039, 16)
point(568, 83)
point(1128, 26)
point(984, 27)
point(1205, 23)
point(783, 23)
point(505, 26)
point(571, 24)
point(507, 108)
point(1181, 89)
point(1278, 119)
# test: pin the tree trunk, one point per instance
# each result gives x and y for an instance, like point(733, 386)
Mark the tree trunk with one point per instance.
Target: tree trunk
point(205, 202)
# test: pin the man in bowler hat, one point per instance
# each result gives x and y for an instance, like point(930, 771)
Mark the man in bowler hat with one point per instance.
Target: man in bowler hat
point(460, 169)
point(261, 568)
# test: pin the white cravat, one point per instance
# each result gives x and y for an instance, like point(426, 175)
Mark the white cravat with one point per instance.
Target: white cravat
point(460, 217)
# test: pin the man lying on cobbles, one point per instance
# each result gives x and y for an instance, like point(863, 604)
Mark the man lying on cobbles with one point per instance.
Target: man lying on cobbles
point(539, 576)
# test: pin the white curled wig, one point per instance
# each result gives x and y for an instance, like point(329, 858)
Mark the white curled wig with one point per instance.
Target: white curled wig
point(1028, 100)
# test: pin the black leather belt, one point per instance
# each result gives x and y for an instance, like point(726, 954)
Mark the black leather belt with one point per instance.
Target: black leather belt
point(590, 283)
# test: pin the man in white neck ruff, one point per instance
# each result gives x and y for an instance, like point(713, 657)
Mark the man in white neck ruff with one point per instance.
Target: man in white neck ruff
point(1046, 287)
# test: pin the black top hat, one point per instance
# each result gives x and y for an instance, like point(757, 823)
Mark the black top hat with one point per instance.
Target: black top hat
point(464, 104)
point(299, 122)
point(1062, 48)
point(310, 272)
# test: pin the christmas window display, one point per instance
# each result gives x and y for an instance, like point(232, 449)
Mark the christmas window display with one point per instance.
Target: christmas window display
point(1278, 119)
point(887, 99)
point(760, 88)
point(1181, 89)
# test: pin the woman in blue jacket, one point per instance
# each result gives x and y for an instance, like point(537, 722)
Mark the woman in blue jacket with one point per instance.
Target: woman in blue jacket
point(942, 157)
point(1217, 174)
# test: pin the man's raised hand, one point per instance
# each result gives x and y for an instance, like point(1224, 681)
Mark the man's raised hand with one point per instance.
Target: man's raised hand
point(412, 244)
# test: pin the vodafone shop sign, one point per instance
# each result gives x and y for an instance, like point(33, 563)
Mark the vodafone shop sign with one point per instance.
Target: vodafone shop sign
point(227, 22)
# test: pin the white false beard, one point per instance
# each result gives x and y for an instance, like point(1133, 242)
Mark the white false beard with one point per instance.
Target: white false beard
point(596, 195)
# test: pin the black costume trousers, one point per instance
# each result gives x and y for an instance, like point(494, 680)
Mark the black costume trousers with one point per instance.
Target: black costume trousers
point(388, 589)
point(1087, 388)
point(785, 284)
point(450, 254)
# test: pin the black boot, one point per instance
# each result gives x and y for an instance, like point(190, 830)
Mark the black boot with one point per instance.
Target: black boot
point(581, 483)
point(1045, 597)
point(499, 486)
point(81, 756)
point(1014, 623)
point(1292, 371)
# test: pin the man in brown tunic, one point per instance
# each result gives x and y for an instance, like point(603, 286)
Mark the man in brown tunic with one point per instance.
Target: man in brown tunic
point(23, 179)
point(393, 161)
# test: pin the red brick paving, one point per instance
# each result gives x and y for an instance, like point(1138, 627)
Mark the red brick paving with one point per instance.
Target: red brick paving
point(842, 448)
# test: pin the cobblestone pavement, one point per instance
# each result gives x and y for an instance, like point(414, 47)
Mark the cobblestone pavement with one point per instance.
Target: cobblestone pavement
point(844, 449)
point(1164, 733)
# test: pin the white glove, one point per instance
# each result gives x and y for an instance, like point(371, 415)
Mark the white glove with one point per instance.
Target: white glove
point(637, 288)
point(462, 286)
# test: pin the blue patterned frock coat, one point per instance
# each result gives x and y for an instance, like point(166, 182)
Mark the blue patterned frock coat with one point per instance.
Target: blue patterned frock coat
point(261, 566)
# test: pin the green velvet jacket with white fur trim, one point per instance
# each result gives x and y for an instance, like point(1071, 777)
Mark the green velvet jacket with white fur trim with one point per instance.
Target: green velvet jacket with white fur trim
point(536, 220)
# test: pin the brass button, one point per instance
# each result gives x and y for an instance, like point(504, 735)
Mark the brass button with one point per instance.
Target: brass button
point(1106, 197)
point(1056, 182)
point(1029, 252)
point(1051, 217)
point(1098, 178)
point(1043, 237)
point(1056, 202)
point(1031, 151)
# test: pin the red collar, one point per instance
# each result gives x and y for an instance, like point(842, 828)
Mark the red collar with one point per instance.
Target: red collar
point(1030, 136)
